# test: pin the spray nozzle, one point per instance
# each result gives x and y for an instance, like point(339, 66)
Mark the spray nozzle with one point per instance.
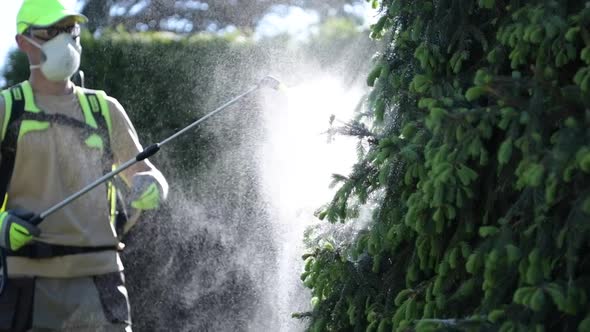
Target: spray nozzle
point(271, 82)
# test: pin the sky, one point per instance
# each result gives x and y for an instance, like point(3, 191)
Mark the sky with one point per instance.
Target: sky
point(293, 20)
point(8, 27)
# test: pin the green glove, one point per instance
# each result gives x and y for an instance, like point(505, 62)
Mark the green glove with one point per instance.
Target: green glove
point(145, 194)
point(15, 230)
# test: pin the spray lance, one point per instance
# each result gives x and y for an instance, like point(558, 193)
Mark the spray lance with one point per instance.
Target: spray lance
point(266, 82)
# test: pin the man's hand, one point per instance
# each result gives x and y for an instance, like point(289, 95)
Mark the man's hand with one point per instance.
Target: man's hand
point(15, 229)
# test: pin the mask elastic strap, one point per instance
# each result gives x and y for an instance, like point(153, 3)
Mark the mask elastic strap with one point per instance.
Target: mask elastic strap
point(30, 40)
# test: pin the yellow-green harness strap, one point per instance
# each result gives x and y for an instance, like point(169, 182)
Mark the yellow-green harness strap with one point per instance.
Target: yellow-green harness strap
point(7, 96)
point(14, 108)
point(96, 111)
point(19, 102)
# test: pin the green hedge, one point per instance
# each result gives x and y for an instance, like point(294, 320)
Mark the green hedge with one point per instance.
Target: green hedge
point(478, 162)
point(184, 264)
point(166, 80)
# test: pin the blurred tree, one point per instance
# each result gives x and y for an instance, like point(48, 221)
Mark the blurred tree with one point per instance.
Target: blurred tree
point(191, 15)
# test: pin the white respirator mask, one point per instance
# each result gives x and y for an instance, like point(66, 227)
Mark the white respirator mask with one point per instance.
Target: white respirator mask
point(61, 57)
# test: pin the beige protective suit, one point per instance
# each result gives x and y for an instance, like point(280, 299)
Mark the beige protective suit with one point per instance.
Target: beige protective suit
point(84, 291)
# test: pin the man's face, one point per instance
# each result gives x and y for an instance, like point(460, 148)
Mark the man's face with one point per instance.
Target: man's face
point(44, 34)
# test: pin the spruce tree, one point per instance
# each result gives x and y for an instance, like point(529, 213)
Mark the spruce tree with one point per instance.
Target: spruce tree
point(475, 152)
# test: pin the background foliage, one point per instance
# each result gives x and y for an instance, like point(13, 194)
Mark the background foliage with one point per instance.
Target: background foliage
point(189, 15)
point(196, 265)
point(474, 158)
point(165, 80)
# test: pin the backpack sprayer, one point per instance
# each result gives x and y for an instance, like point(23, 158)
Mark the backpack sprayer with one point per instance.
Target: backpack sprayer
point(267, 82)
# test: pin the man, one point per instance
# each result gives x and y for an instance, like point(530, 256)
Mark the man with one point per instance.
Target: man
point(64, 274)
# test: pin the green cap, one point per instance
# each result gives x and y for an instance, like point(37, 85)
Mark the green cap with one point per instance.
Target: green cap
point(44, 13)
